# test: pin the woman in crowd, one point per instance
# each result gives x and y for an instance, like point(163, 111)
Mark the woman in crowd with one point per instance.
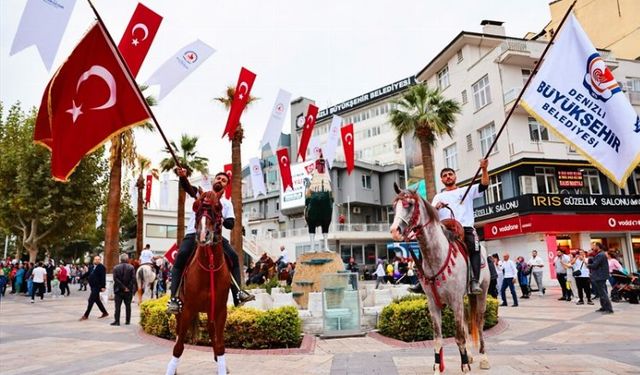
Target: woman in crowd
point(581, 275)
point(380, 274)
point(523, 280)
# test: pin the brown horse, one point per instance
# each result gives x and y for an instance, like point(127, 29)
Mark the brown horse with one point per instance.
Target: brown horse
point(205, 284)
point(445, 274)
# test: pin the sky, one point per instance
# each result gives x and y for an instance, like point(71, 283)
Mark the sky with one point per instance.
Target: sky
point(328, 51)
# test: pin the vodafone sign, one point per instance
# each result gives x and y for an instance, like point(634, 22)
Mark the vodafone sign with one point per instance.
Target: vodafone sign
point(562, 224)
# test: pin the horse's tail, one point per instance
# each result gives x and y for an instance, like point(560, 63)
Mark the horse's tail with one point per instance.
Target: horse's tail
point(140, 280)
point(474, 318)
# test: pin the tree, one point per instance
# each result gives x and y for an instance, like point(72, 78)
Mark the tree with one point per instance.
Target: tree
point(34, 207)
point(190, 160)
point(426, 114)
point(122, 152)
point(143, 164)
point(236, 171)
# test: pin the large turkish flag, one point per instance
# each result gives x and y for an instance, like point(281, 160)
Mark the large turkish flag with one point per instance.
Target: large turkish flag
point(89, 100)
point(240, 100)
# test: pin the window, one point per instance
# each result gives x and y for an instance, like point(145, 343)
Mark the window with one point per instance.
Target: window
point(591, 180)
point(526, 73)
point(443, 78)
point(633, 84)
point(338, 181)
point(494, 191)
point(161, 231)
point(451, 157)
point(546, 180)
point(481, 92)
point(464, 97)
point(469, 143)
point(537, 132)
point(487, 135)
point(460, 57)
point(366, 181)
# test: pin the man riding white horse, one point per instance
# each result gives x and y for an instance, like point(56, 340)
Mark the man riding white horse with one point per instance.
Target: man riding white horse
point(188, 244)
point(448, 203)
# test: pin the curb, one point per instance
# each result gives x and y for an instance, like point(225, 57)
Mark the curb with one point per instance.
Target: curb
point(493, 331)
point(307, 346)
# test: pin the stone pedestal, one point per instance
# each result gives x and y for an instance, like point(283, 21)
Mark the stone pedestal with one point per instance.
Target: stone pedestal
point(309, 269)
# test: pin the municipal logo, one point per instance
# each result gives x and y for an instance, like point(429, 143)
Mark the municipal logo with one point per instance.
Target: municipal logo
point(190, 57)
point(601, 84)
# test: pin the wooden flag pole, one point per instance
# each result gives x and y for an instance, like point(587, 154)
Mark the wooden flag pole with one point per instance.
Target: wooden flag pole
point(126, 67)
point(515, 104)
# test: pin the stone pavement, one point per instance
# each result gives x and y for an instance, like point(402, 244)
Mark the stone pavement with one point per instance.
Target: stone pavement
point(542, 336)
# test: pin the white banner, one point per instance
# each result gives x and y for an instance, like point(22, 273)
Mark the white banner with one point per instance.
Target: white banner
point(43, 24)
point(272, 132)
point(301, 176)
point(179, 66)
point(329, 149)
point(257, 179)
point(314, 148)
point(575, 95)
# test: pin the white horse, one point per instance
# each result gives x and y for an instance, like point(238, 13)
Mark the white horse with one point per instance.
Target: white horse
point(445, 274)
point(146, 279)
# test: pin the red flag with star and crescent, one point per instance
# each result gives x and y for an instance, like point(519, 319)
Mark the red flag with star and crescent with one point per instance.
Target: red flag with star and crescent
point(172, 253)
point(309, 123)
point(348, 146)
point(138, 36)
point(90, 99)
point(285, 168)
point(240, 99)
point(228, 169)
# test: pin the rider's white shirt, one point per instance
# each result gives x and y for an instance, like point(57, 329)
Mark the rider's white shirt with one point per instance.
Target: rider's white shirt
point(227, 212)
point(146, 256)
point(463, 212)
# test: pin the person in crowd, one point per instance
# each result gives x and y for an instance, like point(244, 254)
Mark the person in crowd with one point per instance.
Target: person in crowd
point(39, 277)
point(352, 266)
point(614, 265)
point(28, 281)
point(523, 276)
point(124, 283)
point(283, 259)
point(19, 279)
point(4, 280)
point(599, 267)
point(49, 267)
point(98, 283)
point(379, 273)
point(581, 275)
point(510, 273)
point(389, 273)
point(84, 277)
point(411, 271)
point(63, 277)
point(561, 273)
point(572, 285)
point(55, 287)
point(537, 266)
point(498, 264)
point(493, 290)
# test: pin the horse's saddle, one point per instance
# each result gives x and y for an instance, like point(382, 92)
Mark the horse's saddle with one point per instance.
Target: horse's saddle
point(456, 229)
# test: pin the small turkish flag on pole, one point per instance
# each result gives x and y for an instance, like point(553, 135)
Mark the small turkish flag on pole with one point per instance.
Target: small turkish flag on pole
point(138, 36)
point(285, 168)
point(240, 99)
point(90, 99)
point(228, 169)
point(147, 196)
point(172, 253)
point(347, 144)
point(309, 123)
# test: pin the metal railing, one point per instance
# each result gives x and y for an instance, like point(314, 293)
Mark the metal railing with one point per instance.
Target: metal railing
point(343, 228)
point(511, 94)
point(514, 45)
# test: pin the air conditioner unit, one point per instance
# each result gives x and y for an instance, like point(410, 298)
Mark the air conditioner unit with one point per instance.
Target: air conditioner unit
point(356, 210)
point(528, 185)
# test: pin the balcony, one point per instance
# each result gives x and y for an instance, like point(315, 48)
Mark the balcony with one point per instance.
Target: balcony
point(359, 230)
point(634, 97)
point(517, 52)
point(509, 98)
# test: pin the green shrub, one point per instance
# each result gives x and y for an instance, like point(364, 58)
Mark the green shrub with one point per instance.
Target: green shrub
point(269, 285)
point(246, 327)
point(408, 319)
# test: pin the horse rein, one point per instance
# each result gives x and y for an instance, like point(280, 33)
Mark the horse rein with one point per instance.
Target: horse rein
point(413, 229)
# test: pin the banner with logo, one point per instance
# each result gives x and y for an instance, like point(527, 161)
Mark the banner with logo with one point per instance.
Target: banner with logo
point(42, 24)
point(576, 96)
point(257, 179)
point(331, 145)
point(300, 179)
point(138, 36)
point(272, 132)
point(179, 66)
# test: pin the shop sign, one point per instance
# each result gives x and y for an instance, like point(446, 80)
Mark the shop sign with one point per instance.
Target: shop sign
point(570, 179)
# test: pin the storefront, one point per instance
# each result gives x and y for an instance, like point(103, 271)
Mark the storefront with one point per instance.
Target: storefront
point(548, 222)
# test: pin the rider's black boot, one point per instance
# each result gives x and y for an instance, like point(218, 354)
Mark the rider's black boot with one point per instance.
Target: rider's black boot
point(416, 289)
point(475, 272)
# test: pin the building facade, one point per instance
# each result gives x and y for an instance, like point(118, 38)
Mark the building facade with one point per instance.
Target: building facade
point(542, 194)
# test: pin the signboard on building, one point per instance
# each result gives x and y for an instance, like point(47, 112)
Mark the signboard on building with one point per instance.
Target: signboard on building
point(301, 176)
point(558, 203)
point(570, 179)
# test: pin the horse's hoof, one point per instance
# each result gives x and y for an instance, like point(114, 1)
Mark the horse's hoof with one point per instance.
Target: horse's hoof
point(465, 368)
point(484, 364)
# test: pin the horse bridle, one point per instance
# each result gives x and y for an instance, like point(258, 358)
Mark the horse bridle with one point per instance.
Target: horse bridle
point(206, 210)
point(413, 229)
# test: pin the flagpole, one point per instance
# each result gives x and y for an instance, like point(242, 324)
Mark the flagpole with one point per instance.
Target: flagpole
point(515, 104)
point(126, 67)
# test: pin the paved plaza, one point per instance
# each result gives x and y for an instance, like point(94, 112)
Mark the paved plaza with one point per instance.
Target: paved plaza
point(542, 336)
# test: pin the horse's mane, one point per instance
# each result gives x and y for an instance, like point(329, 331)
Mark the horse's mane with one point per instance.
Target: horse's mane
point(432, 213)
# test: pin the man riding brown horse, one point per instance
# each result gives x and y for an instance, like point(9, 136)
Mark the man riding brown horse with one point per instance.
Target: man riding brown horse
point(449, 206)
point(188, 244)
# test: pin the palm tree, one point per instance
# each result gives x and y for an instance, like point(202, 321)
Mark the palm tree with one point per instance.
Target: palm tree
point(190, 160)
point(143, 164)
point(236, 170)
point(122, 152)
point(426, 114)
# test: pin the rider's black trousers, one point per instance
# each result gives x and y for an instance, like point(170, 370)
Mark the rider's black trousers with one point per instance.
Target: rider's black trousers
point(474, 253)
